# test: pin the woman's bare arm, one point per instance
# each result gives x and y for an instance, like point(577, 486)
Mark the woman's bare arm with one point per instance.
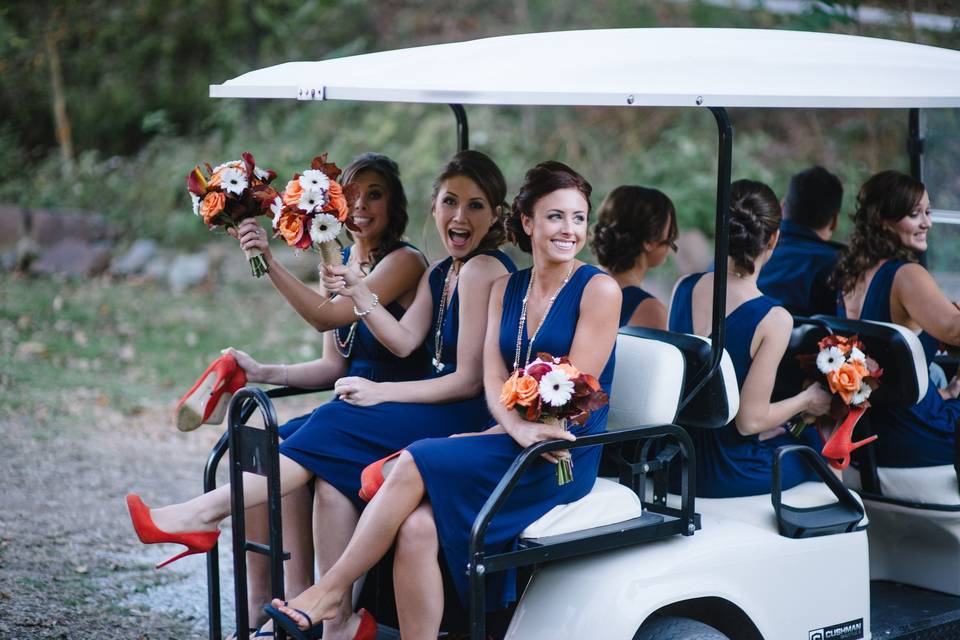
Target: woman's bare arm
point(915, 293)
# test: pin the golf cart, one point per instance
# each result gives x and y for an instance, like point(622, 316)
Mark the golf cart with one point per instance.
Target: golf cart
point(631, 560)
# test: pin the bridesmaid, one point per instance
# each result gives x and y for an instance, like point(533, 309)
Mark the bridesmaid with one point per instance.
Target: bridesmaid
point(560, 306)
point(636, 229)
point(737, 459)
point(362, 424)
point(880, 279)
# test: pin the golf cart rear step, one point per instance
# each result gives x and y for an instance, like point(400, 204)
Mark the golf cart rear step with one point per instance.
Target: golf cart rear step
point(902, 612)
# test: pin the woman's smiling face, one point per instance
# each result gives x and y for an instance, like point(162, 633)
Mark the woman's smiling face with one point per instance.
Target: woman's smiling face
point(463, 215)
point(371, 209)
point(558, 226)
point(912, 228)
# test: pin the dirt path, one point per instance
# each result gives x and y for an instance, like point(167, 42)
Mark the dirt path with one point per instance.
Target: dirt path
point(70, 564)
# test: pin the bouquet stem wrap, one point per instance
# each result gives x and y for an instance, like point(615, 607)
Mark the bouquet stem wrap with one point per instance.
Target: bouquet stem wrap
point(565, 465)
point(330, 253)
point(258, 265)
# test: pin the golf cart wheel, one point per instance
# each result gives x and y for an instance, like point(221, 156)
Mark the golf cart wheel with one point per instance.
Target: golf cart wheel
point(677, 629)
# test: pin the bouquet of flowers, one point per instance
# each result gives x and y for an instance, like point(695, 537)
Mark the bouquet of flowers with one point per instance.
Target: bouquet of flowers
point(553, 391)
point(842, 366)
point(227, 194)
point(313, 209)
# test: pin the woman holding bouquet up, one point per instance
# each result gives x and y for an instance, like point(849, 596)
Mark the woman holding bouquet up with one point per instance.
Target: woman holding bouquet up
point(880, 279)
point(560, 306)
point(635, 231)
point(737, 460)
point(371, 418)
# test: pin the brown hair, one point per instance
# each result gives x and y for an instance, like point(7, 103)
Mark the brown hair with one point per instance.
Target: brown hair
point(627, 218)
point(397, 216)
point(754, 217)
point(480, 168)
point(886, 197)
point(543, 179)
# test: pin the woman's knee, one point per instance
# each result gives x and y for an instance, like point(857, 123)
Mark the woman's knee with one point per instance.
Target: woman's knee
point(405, 471)
point(419, 530)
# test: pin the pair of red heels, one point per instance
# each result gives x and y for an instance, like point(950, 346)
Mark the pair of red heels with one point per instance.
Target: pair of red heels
point(149, 533)
point(208, 399)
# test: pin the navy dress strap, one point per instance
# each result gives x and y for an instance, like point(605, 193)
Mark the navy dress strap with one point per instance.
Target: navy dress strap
point(632, 297)
point(681, 307)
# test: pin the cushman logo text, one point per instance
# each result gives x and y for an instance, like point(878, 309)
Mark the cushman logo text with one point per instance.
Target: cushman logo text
point(852, 630)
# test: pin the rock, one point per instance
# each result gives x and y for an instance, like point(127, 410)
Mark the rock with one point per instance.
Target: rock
point(48, 228)
point(187, 271)
point(694, 252)
point(135, 259)
point(72, 257)
point(12, 226)
point(157, 268)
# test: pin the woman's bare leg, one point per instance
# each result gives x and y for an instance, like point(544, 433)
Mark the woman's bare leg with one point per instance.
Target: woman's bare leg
point(205, 512)
point(417, 582)
point(298, 570)
point(400, 495)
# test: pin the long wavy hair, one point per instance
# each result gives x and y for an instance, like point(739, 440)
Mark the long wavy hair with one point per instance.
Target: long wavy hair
point(480, 168)
point(397, 216)
point(883, 200)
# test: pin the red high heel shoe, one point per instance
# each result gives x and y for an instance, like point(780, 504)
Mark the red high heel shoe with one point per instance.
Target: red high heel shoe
point(841, 444)
point(147, 531)
point(208, 399)
point(368, 626)
point(373, 475)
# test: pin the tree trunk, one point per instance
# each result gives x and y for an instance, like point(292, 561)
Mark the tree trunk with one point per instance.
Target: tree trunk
point(62, 122)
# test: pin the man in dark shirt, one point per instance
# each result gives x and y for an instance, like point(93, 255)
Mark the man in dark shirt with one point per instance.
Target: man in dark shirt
point(798, 272)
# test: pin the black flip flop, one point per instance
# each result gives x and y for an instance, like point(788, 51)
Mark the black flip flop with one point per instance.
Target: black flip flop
point(291, 627)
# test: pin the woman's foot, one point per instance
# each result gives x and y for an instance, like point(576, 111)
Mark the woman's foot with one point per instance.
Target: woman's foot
point(175, 520)
point(311, 606)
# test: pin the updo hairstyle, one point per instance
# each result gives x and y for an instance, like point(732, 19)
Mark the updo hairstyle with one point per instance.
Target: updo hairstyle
point(627, 218)
point(754, 218)
point(397, 216)
point(541, 180)
point(480, 168)
point(883, 200)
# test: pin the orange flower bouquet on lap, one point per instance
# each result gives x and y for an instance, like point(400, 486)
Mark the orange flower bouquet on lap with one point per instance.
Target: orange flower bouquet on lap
point(313, 209)
point(226, 195)
point(553, 391)
point(843, 367)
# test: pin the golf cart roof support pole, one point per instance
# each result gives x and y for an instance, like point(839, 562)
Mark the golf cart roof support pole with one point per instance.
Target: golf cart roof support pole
point(721, 249)
point(463, 129)
point(915, 144)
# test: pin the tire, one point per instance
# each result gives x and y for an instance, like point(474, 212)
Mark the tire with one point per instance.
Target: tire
point(677, 629)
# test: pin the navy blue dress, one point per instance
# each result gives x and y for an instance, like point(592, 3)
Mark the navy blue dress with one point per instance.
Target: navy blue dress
point(730, 464)
point(339, 439)
point(798, 272)
point(921, 435)
point(632, 297)
point(459, 474)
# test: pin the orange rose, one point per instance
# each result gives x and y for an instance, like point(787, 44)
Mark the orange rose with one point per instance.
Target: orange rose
point(213, 203)
point(508, 394)
point(528, 390)
point(291, 195)
point(290, 227)
point(845, 381)
point(337, 202)
point(861, 368)
point(568, 369)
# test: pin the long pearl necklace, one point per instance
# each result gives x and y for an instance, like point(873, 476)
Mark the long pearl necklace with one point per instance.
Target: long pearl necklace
point(345, 347)
point(442, 308)
point(523, 316)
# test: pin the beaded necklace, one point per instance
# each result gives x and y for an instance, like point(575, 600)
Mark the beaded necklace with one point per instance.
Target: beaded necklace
point(523, 317)
point(345, 347)
point(438, 365)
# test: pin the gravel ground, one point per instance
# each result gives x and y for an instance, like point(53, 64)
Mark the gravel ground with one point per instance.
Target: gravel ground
point(70, 563)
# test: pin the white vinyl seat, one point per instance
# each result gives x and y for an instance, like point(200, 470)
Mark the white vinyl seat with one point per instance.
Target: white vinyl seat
point(932, 486)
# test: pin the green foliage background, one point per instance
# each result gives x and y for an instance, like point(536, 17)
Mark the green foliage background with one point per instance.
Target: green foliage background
point(136, 78)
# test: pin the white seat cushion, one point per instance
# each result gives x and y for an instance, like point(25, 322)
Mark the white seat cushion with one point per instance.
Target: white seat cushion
point(925, 485)
point(647, 383)
point(608, 502)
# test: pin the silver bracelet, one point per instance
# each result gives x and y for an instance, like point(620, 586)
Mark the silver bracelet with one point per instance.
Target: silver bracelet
point(286, 375)
point(373, 305)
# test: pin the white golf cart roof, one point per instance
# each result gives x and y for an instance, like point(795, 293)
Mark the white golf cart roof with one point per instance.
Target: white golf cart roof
point(638, 67)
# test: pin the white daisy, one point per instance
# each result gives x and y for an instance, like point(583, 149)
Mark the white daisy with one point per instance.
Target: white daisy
point(260, 173)
point(276, 207)
point(310, 201)
point(325, 227)
point(314, 180)
point(830, 359)
point(196, 203)
point(862, 394)
point(556, 388)
point(857, 356)
point(233, 180)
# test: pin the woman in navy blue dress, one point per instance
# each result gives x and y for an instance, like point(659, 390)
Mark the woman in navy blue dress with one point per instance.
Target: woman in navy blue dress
point(635, 231)
point(737, 459)
point(560, 306)
point(880, 279)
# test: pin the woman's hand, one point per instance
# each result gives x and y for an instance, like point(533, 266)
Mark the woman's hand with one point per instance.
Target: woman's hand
point(527, 433)
point(818, 400)
point(952, 390)
point(360, 392)
point(251, 367)
point(340, 279)
point(252, 236)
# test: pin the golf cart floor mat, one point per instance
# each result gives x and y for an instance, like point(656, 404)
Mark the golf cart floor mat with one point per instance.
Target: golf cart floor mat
point(902, 612)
